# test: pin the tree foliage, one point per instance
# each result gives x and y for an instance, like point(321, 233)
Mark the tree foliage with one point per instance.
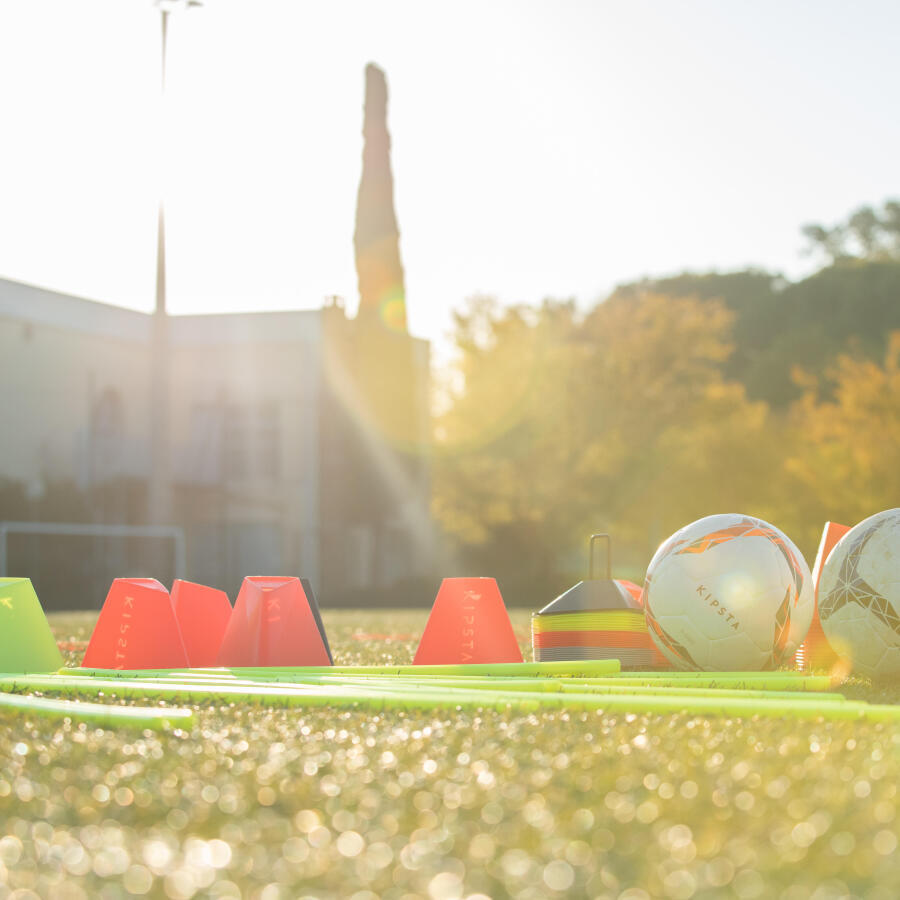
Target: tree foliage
point(673, 399)
point(779, 326)
point(866, 233)
point(844, 464)
point(562, 426)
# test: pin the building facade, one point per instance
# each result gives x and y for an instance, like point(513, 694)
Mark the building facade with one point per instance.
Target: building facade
point(296, 442)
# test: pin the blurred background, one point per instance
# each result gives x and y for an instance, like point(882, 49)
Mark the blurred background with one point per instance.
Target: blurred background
point(382, 292)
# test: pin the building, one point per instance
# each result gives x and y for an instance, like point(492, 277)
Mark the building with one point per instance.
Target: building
point(296, 442)
point(278, 442)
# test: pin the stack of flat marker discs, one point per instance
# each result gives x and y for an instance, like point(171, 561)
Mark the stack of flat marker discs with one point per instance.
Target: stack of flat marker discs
point(610, 628)
point(595, 619)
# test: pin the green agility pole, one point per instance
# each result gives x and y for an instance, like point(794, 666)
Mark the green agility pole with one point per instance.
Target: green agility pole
point(578, 669)
point(766, 681)
point(372, 699)
point(725, 673)
point(809, 685)
point(571, 685)
point(581, 669)
point(804, 684)
point(774, 684)
point(771, 681)
point(97, 713)
point(587, 668)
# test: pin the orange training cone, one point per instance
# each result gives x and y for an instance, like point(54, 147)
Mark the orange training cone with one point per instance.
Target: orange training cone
point(136, 629)
point(815, 651)
point(272, 625)
point(468, 624)
point(202, 613)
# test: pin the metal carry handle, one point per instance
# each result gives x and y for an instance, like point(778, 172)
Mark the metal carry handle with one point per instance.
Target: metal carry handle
point(598, 537)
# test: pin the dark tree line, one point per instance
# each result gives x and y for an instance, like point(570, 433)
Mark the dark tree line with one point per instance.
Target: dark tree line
point(779, 328)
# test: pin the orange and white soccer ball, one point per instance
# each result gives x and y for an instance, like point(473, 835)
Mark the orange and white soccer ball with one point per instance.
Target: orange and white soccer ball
point(728, 593)
point(859, 595)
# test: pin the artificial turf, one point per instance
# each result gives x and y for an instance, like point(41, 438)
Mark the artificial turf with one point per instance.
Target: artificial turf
point(327, 803)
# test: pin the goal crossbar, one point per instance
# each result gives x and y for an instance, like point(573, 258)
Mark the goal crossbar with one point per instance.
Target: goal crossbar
point(172, 532)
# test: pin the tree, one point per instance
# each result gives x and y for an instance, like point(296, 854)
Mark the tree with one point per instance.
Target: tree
point(865, 234)
point(779, 326)
point(695, 444)
point(675, 398)
point(560, 427)
point(504, 445)
point(843, 465)
point(752, 295)
point(382, 296)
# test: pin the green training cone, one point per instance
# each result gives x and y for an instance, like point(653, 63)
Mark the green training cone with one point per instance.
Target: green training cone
point(26, 642)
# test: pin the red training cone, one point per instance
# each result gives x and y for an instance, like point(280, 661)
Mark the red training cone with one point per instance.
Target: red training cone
point(202, 613)
point(468, 624)
point(272, 625)
point(136, 629)
point(815, 651)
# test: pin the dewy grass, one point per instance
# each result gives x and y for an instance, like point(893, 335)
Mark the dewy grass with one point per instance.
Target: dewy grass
point(256, 801)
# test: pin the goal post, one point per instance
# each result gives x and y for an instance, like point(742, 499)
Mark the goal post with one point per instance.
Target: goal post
point(167, 533)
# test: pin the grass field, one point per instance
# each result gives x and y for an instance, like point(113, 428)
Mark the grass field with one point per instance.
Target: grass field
point(326, 804)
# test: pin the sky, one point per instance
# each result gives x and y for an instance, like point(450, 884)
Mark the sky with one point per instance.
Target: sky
point(540, 149)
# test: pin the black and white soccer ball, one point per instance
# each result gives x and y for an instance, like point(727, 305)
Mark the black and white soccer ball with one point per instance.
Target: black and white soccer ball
point(859, 595)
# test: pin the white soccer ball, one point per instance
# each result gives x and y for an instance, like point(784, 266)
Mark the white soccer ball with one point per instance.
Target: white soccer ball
point(859, 595)
point(728, 592)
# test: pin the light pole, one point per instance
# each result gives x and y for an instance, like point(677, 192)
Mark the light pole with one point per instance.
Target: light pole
point(158, 489)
